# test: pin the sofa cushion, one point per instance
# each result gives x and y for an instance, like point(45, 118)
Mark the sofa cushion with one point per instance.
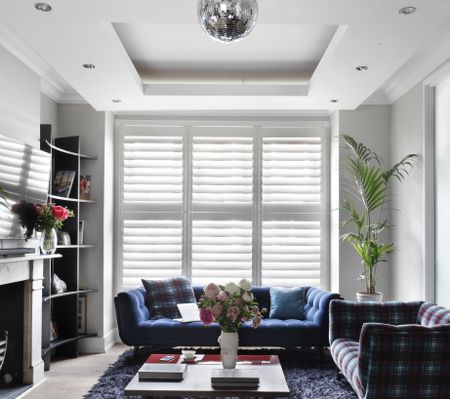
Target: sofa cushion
point(345, 355)
point(163, 296)
point(287, 303)
point(433, 315)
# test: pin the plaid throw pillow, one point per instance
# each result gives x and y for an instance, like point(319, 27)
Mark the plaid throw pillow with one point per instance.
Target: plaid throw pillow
point(163, 296)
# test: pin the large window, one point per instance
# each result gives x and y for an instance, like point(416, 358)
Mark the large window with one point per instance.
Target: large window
point(219, 203)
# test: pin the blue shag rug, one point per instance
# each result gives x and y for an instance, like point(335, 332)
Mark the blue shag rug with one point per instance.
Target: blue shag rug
point(308, 377)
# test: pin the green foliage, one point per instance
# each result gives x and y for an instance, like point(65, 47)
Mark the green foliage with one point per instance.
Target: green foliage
point(368, 184)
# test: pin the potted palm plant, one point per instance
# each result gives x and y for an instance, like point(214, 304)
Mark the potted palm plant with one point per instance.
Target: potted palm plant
point(367, 184)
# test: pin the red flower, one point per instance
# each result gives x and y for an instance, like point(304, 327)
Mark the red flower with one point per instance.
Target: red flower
point(206, 316)
point(60, 213)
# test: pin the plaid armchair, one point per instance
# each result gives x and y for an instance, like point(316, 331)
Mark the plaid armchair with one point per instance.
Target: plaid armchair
point(392, 350)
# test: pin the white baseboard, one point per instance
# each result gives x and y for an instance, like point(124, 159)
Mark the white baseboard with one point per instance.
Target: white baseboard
point(99, 344)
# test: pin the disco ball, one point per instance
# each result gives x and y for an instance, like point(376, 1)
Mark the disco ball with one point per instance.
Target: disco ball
point(227, 20)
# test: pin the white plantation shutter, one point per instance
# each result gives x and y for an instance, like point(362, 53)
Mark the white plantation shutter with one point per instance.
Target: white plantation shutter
point(291, 170)
point(222, 203)
point(292, 207)
point(152, 203)
point(153, 169)
point(151, 249)
point(291, 253)
point(222, 170)
point(221, 250)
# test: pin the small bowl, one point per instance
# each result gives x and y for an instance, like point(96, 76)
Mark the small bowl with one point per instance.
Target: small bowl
point(188, 355)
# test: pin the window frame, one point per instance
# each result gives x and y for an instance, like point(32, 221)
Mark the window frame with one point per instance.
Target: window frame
point(187, 127)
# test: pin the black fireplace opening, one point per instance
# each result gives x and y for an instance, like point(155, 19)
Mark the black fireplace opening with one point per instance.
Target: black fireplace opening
point(12, 322)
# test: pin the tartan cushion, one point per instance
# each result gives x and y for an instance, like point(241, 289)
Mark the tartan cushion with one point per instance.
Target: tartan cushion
point(345, 354)
point(409, 361)
point(433, 315)
point(163, 296)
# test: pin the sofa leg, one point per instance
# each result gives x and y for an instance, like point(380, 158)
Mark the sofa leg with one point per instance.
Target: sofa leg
point(339, 375)
point(136, 352)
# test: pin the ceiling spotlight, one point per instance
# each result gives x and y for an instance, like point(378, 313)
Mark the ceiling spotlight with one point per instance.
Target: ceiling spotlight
point(89, 66)
point(334, 100)
point(116, 100)
point(227, 20)
point(407, 10)
point(44, 7)
point(362, 68)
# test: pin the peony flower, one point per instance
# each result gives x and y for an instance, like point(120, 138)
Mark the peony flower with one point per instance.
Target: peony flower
point(238, 302)
point(216, 310)
point(248, 296)
point(233, 312)
point(232, 288)
point(212, 290)
point(222, 296)
point(59, 212)
point(206, 316)
point(245, 284)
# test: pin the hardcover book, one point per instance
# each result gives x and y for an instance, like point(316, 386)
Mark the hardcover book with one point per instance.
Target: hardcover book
point(162, 372)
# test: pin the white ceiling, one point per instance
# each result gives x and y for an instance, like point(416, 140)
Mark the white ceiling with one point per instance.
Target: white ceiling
point(154, 56)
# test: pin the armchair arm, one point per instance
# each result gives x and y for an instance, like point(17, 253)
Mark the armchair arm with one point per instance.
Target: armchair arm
point(347, 317)
point(408, 361)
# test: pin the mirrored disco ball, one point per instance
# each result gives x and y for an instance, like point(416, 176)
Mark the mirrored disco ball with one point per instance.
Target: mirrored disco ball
point(227, 20)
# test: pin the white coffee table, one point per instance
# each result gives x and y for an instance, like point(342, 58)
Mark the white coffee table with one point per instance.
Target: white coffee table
point(197, 381)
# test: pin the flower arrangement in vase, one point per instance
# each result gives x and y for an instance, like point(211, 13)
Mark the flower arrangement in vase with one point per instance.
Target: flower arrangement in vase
point(45, 218)
point(230, 305)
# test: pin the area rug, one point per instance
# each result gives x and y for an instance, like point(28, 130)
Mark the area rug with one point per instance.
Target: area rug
point(307, 378)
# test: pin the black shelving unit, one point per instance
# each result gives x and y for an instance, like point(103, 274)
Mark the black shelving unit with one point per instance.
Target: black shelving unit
point(61, 309)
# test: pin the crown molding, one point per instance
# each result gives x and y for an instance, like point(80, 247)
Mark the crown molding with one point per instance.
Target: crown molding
point(418, 68)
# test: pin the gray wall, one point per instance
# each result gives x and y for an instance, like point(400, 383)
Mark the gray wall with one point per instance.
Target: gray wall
point(49, 112)
point(19, 100)
point(369, 124)
point(407, 137)
point(96, 266)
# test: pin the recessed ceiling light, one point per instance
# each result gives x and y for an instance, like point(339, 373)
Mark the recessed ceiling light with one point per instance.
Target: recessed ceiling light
point(116, 100)
point(334, 100)
point(362, 68)
point(89, 66)
point(44, 7)
point(407, 10)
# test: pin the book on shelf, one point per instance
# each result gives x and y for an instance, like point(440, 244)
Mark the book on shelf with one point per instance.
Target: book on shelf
point(63, 182)
point(235, 385)
point(85, 187)
point(162, 372)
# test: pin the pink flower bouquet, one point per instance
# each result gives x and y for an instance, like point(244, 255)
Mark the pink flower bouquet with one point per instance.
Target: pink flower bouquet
point(230, 305)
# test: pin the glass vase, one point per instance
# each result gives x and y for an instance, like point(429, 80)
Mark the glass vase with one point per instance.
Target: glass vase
point(49, 241)
point(228, 342)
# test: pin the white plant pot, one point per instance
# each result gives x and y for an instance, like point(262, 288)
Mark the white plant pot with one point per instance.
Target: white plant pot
point(228, 349)
point(365, 297)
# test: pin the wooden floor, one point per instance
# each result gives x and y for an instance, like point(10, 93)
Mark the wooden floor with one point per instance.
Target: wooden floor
point(72, 378)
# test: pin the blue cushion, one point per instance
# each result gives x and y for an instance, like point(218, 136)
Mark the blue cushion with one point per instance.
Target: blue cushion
point(163, 296)
point(287, 303)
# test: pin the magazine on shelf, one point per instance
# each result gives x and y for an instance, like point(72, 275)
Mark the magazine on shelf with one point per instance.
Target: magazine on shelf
point(80, 232)
point(161, 372)
point(231, 376)
point(63, 182)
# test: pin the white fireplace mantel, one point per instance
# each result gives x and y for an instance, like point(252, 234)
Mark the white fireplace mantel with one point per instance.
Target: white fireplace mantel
point(30, 269)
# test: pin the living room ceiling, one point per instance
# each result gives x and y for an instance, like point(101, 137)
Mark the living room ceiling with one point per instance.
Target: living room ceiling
point(153, 55)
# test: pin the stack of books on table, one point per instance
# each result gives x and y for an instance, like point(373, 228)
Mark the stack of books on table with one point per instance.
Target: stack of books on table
point(234, 379)
point(162, 372)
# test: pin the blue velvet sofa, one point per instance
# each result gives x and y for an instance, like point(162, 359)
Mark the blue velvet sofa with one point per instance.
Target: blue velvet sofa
point(136, 328)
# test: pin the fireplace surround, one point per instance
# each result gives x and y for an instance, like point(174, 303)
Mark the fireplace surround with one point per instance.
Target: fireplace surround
point(25, 273)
